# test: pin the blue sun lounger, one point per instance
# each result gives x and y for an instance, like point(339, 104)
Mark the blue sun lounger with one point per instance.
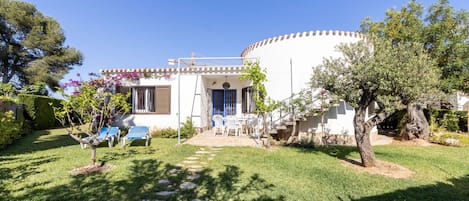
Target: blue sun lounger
point(137, 133)
point(108, 134)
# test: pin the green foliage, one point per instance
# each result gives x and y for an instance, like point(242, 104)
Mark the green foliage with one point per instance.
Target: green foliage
point(40, 110)
point(462, 138)
point(258, 76)
point(9, 128)
point(92, 106)
point(453, 118)
point(450, 121)
point(187, 128)
point(165, 133)
point(35, 89)
point(449, 48)
point(187, 131)
point(388, 73)
point(33, 46)
point(7, 89)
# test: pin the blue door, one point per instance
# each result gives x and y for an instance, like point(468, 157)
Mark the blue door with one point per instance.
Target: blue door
point(224, 102)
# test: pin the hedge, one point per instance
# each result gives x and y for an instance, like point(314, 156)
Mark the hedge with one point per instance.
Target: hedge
point(39, 110)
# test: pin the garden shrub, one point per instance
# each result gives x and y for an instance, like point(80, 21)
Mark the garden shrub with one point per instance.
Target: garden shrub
point(437, 118)
point(187, 128)
point(165, 133)
point(187, 131)
point(463, 139)
point(10, 129)
point(39, 110)
point(450, 121)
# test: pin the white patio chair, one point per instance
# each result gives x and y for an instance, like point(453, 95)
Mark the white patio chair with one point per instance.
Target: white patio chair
point(251, 124)
point(231, 124)
point(218, 124)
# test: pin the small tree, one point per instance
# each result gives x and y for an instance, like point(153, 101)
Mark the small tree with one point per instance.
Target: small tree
point(378, 70)
point(91, 106)
point(264, 104)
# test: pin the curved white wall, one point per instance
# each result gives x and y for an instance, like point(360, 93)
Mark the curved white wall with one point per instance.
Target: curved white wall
point(305, 50)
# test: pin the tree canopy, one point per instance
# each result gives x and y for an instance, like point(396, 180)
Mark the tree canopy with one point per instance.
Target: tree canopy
point(377, 70)
point(442, 31)
point(32, 46)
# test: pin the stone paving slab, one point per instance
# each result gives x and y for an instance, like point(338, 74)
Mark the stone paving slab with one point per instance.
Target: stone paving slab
point(208, 139)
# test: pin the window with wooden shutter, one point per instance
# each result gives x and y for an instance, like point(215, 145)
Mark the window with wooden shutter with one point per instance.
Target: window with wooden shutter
point(163, 100)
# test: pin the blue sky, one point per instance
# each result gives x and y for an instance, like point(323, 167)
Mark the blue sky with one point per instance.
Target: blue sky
point(145, 33)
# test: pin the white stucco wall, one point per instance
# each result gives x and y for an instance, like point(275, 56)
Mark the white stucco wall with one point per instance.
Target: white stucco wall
point(164, 120)
point(305, 51)
point(190, 85)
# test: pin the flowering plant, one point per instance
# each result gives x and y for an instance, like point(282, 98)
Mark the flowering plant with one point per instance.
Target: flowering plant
point(91, 106)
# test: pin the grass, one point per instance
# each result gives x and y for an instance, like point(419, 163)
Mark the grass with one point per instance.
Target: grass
point(38, 168)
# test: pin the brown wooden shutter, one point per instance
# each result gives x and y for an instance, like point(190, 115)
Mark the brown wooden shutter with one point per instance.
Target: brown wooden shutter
point(163, 100)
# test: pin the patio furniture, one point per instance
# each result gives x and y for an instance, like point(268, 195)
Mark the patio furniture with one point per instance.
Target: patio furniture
point(252, 123)
point(137, 133)
point(231, 124)
point(218, 124)
point(105, 133)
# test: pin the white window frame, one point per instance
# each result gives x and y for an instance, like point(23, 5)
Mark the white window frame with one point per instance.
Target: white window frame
point(148, 100)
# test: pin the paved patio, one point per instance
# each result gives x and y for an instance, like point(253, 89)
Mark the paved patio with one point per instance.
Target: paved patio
point(207, 138)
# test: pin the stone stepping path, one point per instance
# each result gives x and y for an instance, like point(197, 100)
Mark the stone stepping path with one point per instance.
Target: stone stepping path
point(193, 164)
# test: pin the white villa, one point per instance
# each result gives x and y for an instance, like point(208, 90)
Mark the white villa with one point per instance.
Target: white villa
point(206, 90)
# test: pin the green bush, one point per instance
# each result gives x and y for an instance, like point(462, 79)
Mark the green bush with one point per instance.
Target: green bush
point(437, 118)
point(39, 110)
point(463, 139)
point(187, 129)
point(165, 133)
point(9, 128)
point(450, 121)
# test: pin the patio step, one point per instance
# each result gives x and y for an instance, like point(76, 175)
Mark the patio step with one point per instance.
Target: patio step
point(273, 131)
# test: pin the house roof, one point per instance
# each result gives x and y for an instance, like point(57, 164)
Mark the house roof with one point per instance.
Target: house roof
point(193, 69)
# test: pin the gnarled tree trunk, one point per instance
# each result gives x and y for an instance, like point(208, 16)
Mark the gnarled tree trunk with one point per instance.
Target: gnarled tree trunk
point(417, 125)
point(362, 137)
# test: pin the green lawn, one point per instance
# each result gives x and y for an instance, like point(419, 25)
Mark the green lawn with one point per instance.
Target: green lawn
point(38, 168)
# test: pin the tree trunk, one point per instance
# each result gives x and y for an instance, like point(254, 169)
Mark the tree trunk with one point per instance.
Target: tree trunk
point(362, 137)
point(93, 153)
point(265, 130)
point(417, 126)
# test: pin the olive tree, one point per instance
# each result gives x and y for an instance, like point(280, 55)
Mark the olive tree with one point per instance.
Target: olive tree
point(443, 32)
point(377, 71)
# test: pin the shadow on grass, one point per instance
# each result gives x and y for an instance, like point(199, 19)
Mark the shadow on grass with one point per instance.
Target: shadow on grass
point(453, 189)
point(25, 168)
point(335, 151)
point(142, 182)
point(38, 141)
